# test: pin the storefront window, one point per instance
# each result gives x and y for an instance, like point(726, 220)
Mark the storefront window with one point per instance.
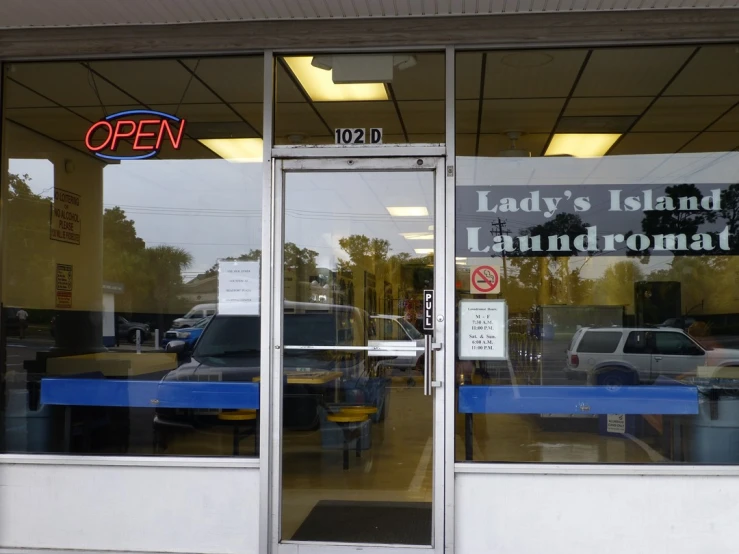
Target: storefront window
point(132, 223)
point(597, 314)
point(400, 96)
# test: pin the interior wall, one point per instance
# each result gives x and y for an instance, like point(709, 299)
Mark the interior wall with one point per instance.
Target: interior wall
point(130, 508)
point(523, 513)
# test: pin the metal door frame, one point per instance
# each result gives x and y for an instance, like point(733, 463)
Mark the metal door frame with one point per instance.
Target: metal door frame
point(354, 159)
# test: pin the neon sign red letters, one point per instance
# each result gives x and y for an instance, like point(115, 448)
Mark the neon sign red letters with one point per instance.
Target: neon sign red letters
point(139, 132)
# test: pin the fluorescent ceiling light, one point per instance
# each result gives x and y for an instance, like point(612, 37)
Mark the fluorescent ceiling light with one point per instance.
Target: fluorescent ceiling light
point(408, 211)
point(319, 84)
point(424, 251)
point(582, 145)
point(237, 150)
point(418, 236)
point(460, 261)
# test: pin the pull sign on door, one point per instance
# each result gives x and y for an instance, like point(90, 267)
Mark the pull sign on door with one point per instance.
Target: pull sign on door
point(358, 136)
point(428, 312)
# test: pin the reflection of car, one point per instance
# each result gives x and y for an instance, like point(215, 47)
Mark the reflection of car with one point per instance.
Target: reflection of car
point(394, 330)
point(127, 329)
point(619, 356)
point(193, 316)
point(678, 322)
point(229, 347)
point(189, 335)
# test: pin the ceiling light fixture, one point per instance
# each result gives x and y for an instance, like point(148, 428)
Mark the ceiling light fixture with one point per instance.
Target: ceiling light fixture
point(237, 150)
point(424, 251)
point(418, 236)
point(320, 86)
point(581, 145)
point(408, 211)
point(513, 151)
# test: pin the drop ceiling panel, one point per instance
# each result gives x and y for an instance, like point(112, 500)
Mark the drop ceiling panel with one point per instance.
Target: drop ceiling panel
point(630, 72)
point(234, 79)
point(423, 117)
point(713, 70)
point(607, 106)
point(532, 74)
point(729, 122)
point(469, 71)
point(684, 113)
point(530, 116)
point(55, 13)
point(285, 88)
point(651, 143)
point(466, 115)
point(57, 123)
point(198, 112)
point(155, 81)
point(298, 119)
point(17, 96)
point(424, 81)
point(361, 114)
point(713, 142)
point(492, 145)
point(60, 82)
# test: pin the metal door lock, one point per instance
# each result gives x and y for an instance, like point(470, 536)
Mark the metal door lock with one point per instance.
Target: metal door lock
point(436, 346)
point(436, 384)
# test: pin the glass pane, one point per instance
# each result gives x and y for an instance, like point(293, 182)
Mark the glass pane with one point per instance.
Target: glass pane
point(601, 186)
point(357, 436)
point(124, 214)
point(402, 95)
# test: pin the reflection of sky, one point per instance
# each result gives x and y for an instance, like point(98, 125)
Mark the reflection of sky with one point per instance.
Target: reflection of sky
point(322, 208)
point(211, 208)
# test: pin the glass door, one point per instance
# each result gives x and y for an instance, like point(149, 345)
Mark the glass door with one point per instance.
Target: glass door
point(357, 407)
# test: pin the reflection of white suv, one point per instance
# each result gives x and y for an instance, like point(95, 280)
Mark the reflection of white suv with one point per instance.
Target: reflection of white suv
point(620, 356)
point(388, 331)
point(194, 316)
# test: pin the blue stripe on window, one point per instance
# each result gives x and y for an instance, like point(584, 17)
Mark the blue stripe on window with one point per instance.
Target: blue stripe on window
point(150, 394)
point(657, 399)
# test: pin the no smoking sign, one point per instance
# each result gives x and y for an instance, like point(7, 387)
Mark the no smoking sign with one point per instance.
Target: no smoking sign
point(484, 279)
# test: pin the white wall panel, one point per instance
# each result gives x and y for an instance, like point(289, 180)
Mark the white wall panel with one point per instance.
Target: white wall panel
point(510, 513)
point(130, 508)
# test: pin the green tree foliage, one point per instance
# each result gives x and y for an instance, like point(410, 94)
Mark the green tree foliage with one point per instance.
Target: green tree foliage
point(152, 276)
point(28, 244)
point(616, 286)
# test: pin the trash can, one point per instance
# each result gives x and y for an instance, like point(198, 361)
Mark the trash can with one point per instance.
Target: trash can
point(712, 436)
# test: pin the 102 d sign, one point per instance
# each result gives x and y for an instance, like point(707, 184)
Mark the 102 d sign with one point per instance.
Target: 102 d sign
point(358, 136)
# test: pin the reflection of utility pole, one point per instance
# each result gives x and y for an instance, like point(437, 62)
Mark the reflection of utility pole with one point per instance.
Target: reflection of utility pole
point(501, 232)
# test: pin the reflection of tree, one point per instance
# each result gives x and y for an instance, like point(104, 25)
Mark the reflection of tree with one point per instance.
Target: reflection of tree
point(251, 256)
point(730, 212)
point(616, 286)
point(152, 277)
point(28, 244)
point(550, 273)
point(688, 222)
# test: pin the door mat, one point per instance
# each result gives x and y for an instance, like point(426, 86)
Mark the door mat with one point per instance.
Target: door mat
point(367, 522)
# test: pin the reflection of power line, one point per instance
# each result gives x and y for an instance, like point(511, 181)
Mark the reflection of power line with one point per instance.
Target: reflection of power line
point(501, 232)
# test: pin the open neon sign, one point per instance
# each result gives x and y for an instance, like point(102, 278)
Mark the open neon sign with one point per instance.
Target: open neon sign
point(141, 131)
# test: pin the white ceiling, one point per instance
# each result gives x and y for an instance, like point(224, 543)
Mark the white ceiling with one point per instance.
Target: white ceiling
point(16, 14)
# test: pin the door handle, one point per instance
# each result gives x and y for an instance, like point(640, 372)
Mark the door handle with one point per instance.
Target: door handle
point(429, 348)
